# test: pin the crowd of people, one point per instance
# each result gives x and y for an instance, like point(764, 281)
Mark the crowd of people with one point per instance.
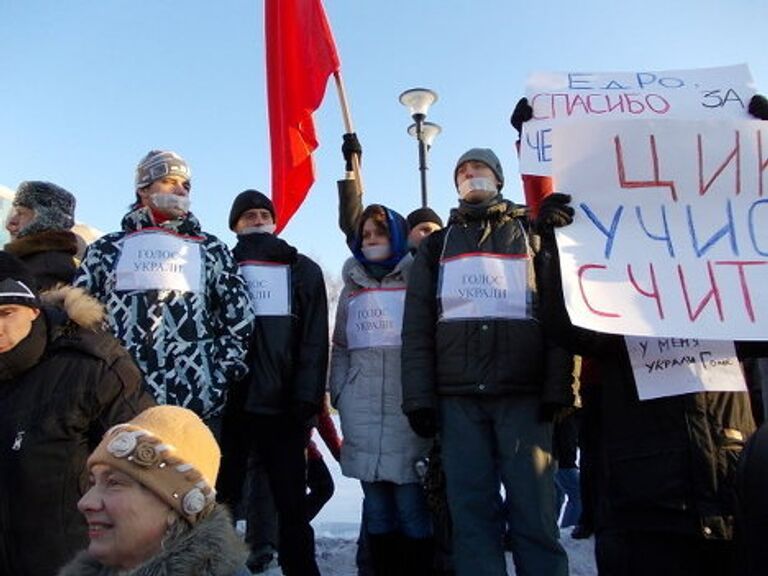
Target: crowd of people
point(158, 386)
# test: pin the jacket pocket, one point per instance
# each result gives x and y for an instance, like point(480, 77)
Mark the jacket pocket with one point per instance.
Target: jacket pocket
point(653, 480)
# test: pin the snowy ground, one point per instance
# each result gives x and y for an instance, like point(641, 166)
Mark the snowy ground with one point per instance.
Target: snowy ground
point(338, 524)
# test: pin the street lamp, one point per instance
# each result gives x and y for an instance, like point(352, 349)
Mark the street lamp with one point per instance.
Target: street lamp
point(418, 101)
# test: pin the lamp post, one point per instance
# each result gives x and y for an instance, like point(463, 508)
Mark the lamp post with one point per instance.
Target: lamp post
point(418, 101)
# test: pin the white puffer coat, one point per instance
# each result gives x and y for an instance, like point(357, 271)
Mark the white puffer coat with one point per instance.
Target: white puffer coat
point(366, 389)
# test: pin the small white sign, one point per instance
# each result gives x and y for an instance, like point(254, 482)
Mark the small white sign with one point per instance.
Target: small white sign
point(159, 260)
point(481, 285)
point(269, 285)
point(375, 318)
point(674, 366)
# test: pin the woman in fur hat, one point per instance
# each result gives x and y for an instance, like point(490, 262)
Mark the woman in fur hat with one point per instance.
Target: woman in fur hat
point(151, 506)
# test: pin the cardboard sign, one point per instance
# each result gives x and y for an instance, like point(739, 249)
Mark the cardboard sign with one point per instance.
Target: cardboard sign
point(558, 98)
point(669, 236)
point(674, 366)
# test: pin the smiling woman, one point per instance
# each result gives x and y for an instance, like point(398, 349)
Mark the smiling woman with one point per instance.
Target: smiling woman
point(151, 504)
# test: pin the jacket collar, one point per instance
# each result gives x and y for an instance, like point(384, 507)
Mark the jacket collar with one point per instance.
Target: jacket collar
point(48, 241)
point(141, 217)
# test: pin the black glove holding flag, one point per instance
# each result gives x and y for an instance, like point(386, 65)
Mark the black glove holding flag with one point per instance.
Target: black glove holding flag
point(521, 114)
point(423, 421)
point(758, 107)
point(350, 147)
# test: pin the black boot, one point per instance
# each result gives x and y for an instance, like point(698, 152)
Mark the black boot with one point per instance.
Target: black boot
point(419, 556)
point(386, 552)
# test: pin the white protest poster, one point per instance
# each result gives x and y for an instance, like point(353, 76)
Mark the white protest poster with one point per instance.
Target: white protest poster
point(558, 98)
point(669, 237)
point(475, 286)
point(375, 318)
point(673, 366)
point(158, 260)
point(269, 285)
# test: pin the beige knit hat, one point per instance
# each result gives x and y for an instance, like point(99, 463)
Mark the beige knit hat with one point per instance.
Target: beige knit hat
point(169, 450)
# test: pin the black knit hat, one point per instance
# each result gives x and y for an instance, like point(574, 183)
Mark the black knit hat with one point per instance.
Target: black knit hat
point(248, 200)
point(17, 285)
point(54, 207)
point(421, 215)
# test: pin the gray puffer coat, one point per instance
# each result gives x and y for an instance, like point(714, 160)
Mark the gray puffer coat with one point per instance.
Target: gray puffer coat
point(379, 444)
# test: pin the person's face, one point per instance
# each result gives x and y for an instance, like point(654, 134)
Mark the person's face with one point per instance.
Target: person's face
point(421, 231)
point(171, 184)
point(253, 218)
point(15, 324)
point(373, 235)
point(19, 217)
point(126, 521)
point(475, 169)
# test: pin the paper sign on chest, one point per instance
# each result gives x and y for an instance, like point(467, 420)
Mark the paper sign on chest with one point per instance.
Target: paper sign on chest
point(158, 260)
point(476, 286)
point(375, 318)
point(269, 285)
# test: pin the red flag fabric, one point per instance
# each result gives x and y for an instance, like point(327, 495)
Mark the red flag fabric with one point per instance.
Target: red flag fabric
point(301, 54)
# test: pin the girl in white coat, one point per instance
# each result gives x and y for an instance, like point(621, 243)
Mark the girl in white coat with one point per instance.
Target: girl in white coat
point(379, 447)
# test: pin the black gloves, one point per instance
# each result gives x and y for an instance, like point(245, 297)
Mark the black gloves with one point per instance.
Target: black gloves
point(554, 212)
point(522, 113)
point(350, 147)
point(303, 411)
point(423, 421)
point(758, 107)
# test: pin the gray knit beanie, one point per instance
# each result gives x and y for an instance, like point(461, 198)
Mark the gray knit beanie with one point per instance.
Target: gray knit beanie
point(487, 157)
point(54, 207)
point(158, 164)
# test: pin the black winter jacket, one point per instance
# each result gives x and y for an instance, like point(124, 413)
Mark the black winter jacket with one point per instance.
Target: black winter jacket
point(670, 461)
point(476, 357)
point(288, 355)
point(51, 417)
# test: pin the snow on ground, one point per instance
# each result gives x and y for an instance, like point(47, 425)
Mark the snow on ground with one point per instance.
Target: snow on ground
point(338, 524)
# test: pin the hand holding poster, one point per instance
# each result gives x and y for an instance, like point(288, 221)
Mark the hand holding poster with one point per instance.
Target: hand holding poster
point(558, 98)
point(669, 236)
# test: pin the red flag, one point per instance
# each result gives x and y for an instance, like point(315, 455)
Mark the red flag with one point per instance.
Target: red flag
point(301, 55)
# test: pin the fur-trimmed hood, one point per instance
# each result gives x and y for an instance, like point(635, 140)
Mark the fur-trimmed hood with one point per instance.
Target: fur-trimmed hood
point(210, 548)
point(81, 308)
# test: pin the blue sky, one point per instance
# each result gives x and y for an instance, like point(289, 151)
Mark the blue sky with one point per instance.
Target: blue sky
point(89, 86)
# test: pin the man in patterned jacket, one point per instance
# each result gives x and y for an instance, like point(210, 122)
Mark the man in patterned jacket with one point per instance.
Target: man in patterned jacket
point(173, 293)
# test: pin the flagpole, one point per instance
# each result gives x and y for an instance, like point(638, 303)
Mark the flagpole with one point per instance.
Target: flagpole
point(348, 126)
